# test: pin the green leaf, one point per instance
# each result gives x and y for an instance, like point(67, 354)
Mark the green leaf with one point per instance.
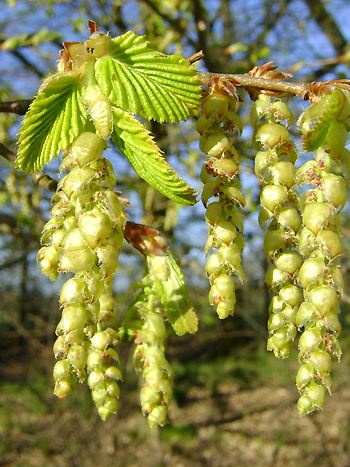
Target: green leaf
point(54, 120)
point(146, 82)
point(169, 280)
point(136, 143)
point(315, 121)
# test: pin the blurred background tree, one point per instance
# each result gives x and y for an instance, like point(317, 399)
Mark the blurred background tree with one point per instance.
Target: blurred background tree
point(234, 404)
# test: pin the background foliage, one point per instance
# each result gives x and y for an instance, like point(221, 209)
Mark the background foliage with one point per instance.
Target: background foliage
point(234, 403)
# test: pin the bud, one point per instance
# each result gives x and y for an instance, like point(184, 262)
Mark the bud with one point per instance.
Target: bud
point(215, 106)
point(95, 227)
point(316, 393)
point(321, 361)
point(60, 348)
point(109, 408)
point(77, 177)
point(213, 213)
point(72, 291)
point(73, 318)
point(225, 231)
point(280, 344)
point(100, 109)
point(289, 261)
point(282, 173)
point(225, 309)
point(275, 277)
point(304, 375)
point(272, 135)
point(102, 339)
point(276, 321)
point(87, 148)
point(291, 294)
point(214, 144)
point(263, 160)
point(76, 256)
point(203, 124)
point(335, 190)
point(63, 387)
point(289, 218)
point(274, 240)
point(48, 258)
point(306, 241)
point(280, 112)
point(311, 271)
point(305, 405)
point(272, 196)
point(324, 299)
point(330, 243)
point(317, 215)
point(309, 340)
point(306, 313)
point(158, 416)
point(108, 257)
point(99, 45)
point(61, 369)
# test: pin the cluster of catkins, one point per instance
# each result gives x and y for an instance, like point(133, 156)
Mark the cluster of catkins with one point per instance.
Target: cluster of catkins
point(302, 240)
point(274, 165)
point(218, 125)
point(83, 237)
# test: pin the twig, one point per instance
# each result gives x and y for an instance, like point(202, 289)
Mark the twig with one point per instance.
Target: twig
point(195, 57)
point(43, 180)
point(303, 90)
point(18, 107)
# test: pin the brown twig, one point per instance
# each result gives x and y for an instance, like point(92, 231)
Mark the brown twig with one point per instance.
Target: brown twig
point(303, 90)
point(43, 180)
point(18, 107)
point(195, 57)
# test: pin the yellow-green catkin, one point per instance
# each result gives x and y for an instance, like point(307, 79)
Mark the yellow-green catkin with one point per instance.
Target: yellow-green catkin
point(149, 359)
point(84, 237)
point(274, 165)
point(324, 129)
point(218, 126)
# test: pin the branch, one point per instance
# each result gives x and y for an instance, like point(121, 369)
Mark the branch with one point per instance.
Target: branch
point(173, 22)
point(43, 180)
point(18, 107)
point(13, 262)
point(329, 27)
point(16, 53)
point(212, 59)
point(303, 90)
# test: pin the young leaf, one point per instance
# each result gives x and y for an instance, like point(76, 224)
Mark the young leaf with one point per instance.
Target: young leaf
point(168, 279)
point(146, 82)
point(315, 121)
point(135, 142)
point(54, 120)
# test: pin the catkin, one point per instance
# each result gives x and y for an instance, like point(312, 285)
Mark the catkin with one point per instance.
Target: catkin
point(274, 165)
point(218, 125)
point(84, 237)
point(324, 129)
